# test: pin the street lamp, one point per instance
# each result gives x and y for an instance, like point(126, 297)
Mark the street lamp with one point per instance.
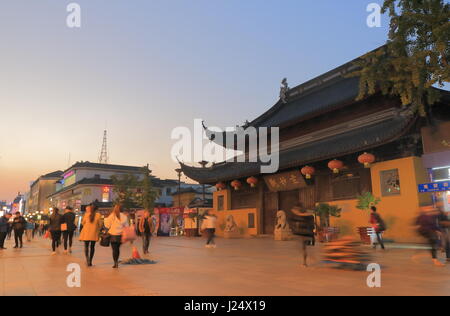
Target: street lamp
point(179, 171)
point(203, 163)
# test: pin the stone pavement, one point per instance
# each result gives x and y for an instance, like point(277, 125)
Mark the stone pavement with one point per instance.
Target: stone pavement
point(258, 266)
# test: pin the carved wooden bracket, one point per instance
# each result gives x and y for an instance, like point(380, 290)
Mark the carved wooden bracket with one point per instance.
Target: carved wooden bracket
point(445, 143)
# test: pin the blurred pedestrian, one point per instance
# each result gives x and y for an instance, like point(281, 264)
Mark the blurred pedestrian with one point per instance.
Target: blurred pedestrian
point(379, 227)
point(18, 225)
point(209, 227)
point(92, 224)
point(444, 225)
point(115, 223)
point(428, 228)
point(55, 229)
point(29, 230)
point(145, 229)
point(4, 226)
point(68, 228)
point(302, 224)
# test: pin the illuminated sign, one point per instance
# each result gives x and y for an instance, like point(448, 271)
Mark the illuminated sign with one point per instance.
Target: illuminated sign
point(434, 187)
point(69, 178)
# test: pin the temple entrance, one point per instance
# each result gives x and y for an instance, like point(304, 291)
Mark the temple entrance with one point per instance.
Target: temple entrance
point(288, 199)
point(270, 211)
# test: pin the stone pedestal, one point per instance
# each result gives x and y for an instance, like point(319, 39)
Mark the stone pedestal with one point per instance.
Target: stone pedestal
point(283, 235)
point(231, 234)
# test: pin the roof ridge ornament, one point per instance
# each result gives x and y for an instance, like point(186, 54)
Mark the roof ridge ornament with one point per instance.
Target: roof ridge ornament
point(284, 90)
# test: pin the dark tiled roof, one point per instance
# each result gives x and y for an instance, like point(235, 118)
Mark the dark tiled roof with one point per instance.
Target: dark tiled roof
point(87, 164)
point(333, 147)
point(52, 175)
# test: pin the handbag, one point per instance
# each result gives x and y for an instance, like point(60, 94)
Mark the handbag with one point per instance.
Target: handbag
point(105, 239)
point(64, 227)
point(47, 235)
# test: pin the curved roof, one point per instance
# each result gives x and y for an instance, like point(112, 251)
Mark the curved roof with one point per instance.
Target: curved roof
point(332, 147)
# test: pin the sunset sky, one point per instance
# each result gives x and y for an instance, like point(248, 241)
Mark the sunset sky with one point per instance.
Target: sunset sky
point(142, 67)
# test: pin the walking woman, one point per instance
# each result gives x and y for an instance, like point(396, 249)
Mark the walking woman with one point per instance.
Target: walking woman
point(68, 221)
point(428, 228)
point(146, 229)
point(55, 229)
point(92, 224)
point(115, 223)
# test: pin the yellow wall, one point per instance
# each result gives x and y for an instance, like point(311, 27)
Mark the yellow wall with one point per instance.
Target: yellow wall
point(398, 211)
point(241, 219)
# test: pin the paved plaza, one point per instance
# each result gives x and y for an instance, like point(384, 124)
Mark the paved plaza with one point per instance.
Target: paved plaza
point(258, 266)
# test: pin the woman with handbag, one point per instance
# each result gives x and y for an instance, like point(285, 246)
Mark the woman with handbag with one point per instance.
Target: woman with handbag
point(55, 229)
point(92, 224)
point(68, 228)
point(116, 223)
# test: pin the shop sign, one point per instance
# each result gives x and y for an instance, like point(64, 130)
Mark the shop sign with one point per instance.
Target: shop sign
point(286, 181)
point(434, 187)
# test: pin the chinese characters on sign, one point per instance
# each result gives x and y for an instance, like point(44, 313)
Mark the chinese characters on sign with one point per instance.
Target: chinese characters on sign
point(434, 187)
point(285, 181)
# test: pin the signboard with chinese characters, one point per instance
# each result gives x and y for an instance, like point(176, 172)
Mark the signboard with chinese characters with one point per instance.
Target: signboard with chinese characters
point(434, 187)
point(286, 181)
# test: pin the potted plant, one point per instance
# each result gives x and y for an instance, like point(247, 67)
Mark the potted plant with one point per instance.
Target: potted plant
point(365, 202)
point(324, 212)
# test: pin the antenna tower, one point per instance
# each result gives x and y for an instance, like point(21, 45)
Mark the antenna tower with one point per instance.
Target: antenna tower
point(103, 158)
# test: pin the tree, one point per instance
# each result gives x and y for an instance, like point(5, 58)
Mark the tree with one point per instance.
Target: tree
point(125, 188)
point(147, 195)
point(366, 201)
point(415, 57)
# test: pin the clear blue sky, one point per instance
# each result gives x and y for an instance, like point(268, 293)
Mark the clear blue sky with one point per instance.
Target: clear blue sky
point(143, 67)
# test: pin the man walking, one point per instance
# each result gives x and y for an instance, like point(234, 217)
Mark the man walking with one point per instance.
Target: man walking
point(303, 224)
point(379, 227)
point(4, 227)
point(209, 226)
point(19, 225)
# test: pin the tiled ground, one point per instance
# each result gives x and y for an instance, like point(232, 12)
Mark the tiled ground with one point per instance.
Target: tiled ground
point(257, 266)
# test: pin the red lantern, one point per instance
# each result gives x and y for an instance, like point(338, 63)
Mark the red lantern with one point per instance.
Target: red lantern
point(236, 184)
point(220, 186)
point(308, 171)
point(366, 159)
point(335, 165)
point(252, 181)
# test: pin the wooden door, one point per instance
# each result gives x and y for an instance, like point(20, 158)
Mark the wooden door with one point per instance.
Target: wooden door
point(270, 211)
point(288, 199)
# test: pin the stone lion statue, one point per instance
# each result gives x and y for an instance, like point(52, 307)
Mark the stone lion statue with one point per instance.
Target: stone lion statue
point(282, 223)
point(230, 224)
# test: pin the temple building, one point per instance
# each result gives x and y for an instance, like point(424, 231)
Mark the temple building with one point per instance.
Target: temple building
point(332, 149)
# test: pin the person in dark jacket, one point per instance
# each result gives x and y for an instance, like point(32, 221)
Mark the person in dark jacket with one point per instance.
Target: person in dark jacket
point(428, 228)
point(4, 226)
point(55, 229)
point(303, 225)
point(378, 225)
point(68, 220)
point(18, 225)
point(444, 225)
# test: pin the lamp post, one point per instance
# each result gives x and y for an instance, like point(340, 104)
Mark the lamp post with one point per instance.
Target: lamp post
point(179, 171)
point(203, 163)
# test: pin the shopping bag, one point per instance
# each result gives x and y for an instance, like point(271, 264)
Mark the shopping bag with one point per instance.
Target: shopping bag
point(47, 235)
point(129, 234)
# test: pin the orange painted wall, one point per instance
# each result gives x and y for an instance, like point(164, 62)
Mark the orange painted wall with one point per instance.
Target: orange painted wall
point(241, 219)
point(399, 212)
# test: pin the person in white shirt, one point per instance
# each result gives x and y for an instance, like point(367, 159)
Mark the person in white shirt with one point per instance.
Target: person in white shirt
point(115, 223)
point(209, 226)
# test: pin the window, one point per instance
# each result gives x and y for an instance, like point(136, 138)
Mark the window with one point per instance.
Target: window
point(390, 182)
point(346, 186)
point(251, 220)
point(220, 206)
